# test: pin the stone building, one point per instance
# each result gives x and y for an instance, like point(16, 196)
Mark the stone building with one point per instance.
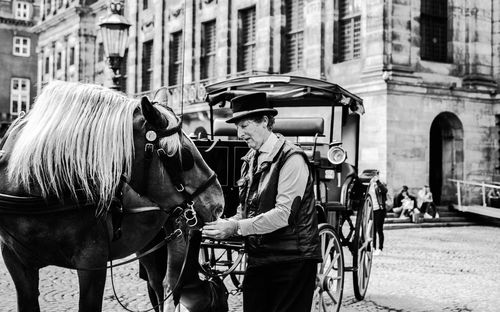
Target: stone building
point(17, 58)
point(428, 70)
point(70, 47)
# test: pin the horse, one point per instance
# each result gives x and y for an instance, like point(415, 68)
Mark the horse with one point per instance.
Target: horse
point(81, 184)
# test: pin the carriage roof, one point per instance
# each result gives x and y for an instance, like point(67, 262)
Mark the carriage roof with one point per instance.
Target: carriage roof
point(286, 91)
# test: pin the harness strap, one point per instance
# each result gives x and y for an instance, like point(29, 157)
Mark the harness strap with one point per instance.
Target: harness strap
point(148, 158)
point(20, 205)
point(140, 209)
point(116, 209)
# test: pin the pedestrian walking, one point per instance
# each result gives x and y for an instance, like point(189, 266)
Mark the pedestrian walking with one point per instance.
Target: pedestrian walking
point(276, 215)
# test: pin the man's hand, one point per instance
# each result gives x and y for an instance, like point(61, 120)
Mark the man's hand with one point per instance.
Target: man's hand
point(220, 228)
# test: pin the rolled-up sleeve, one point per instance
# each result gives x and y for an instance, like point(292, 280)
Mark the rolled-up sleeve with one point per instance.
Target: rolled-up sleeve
point(292, 183)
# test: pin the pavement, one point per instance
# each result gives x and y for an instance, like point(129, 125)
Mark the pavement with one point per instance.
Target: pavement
point(421, 269)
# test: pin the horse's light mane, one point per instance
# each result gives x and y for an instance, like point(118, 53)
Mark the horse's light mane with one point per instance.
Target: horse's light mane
point(77, 136)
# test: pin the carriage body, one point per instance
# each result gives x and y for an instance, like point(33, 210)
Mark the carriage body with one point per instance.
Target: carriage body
point(332, 121)
point(323, 119)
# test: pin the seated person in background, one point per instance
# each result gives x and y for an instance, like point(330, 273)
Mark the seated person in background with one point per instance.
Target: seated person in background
point(426, 203)
point(493, 197)
point(406, 207)
point(399, 197)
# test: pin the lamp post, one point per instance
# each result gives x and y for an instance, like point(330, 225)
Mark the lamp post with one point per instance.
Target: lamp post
point(114, 31)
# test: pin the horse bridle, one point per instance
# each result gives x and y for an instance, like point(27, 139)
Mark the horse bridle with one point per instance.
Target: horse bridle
point(173, 166)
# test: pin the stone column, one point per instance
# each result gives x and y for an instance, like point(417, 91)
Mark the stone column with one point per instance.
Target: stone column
point(267, 35)
point(478, 60)
point(131, 15)
point(496, 40)
point(314, 38)
point(158, 52)
point(222, 28)
point(372, 36)
point(40, 71)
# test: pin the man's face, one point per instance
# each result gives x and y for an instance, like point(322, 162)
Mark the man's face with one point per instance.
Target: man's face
point(254, 133)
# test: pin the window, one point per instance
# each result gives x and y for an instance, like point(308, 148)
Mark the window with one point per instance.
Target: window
point(47, 65)
point(147, 65)
point(349, 46)
point(21, 46)
point(59, 60)
point(145, 4)
point(294, 37)
point(100, 52)
point(434, 30)
point(71, 60)
point(21, 10)
point(19, 95)
point(208, 44)
point(246, 40)
point(174, 75)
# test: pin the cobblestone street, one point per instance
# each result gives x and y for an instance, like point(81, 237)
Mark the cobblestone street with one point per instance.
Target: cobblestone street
point(434, 269)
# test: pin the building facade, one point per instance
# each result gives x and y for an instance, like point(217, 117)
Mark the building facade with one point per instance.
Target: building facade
point(17, 58)
point(428, 70)
point(70, 47)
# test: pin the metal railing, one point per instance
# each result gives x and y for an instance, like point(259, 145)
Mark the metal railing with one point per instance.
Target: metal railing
point(486, 204)
point(482, 185)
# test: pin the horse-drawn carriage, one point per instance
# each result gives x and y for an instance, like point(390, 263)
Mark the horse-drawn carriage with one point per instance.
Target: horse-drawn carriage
point(323, 119)
point(90, 175)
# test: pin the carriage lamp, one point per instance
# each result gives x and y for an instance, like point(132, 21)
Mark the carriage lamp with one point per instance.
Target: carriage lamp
point(336, 155)
point(114, 31)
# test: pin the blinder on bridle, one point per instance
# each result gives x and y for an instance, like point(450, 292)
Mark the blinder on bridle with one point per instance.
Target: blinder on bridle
point(183, 160)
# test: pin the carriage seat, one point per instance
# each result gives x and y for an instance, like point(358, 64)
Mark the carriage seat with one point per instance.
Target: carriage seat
point(291, 126)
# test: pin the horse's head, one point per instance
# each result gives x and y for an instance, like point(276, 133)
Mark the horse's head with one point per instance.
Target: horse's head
point(168, 168)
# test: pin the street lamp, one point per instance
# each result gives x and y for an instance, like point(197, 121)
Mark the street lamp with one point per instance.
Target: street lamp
point(114, 31)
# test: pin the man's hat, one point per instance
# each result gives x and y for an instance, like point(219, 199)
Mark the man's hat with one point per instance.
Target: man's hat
point(250, 104)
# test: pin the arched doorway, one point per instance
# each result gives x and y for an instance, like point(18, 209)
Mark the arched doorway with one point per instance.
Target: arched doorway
point(446, 156)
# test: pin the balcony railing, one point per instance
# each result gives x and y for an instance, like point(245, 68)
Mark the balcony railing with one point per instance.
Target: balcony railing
point(193, 93)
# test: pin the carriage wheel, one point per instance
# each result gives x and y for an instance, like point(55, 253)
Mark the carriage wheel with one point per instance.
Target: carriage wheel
point(363, 248)
point(330, 276)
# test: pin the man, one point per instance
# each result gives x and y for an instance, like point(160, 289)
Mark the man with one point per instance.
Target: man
point(378, 194)
point(276, 215)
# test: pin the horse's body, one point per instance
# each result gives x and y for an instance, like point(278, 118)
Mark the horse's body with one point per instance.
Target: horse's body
point(81, 139)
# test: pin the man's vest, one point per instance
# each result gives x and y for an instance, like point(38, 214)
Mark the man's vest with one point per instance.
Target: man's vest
point(297, 241)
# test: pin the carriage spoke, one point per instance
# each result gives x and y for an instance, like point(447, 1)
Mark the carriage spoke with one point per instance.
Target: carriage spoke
point(331, 264)
point(323, 303)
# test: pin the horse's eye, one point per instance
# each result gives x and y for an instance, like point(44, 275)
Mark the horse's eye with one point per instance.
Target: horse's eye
point(187, 159)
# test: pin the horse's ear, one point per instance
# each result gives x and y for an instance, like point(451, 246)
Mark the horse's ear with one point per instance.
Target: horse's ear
point(161, 96)
point(153, 115)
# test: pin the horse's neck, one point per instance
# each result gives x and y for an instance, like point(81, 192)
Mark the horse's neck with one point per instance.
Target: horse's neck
point(6, 147)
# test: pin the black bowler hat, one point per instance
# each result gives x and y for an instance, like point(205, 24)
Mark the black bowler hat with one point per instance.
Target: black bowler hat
point(250, 104)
